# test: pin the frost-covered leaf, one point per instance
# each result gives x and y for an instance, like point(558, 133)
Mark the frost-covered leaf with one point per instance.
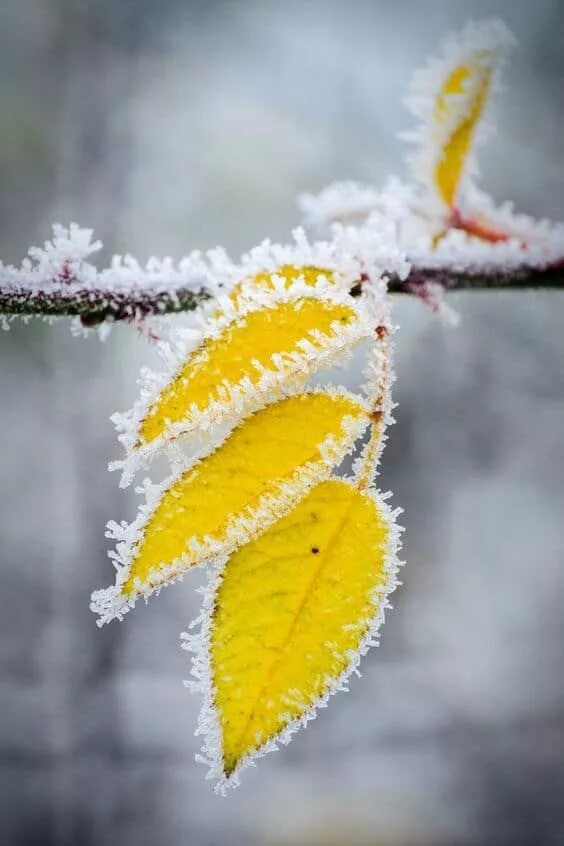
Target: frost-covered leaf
point(261, 470)
point(451, 96)
point(245, 358)
point(288, 620)
point(471, 81)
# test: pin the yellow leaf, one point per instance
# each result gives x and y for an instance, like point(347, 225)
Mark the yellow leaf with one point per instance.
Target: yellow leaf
point(264, 349)
point(263, 468)
point(291, 615)
point(451, 95)
point(460, 106)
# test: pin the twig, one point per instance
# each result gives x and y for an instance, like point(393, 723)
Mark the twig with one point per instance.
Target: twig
point(95, 305)
point(520, 279)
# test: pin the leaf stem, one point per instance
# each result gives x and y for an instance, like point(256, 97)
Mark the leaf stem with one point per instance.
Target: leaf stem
point(382, 402)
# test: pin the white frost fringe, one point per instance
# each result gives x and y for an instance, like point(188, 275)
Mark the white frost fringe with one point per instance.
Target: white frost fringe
point(199, 644)
point(49, 268)
point(110, 603)
point(531, 243)
point(351, 251)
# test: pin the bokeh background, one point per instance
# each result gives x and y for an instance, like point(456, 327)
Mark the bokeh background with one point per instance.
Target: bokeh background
point(179, 124)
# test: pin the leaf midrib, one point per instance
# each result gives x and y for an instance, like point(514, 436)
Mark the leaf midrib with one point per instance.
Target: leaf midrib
point(307, 595)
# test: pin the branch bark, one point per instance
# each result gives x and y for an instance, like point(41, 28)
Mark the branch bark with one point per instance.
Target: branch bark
point(96, 305)
point(520, 279)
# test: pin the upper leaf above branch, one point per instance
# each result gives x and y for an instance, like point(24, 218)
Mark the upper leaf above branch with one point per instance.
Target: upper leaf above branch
point(452, 97)
point(452, 233)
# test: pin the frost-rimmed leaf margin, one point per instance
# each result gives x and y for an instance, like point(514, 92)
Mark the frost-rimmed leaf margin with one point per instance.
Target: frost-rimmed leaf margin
point(490, 37)
point(110, 603)
point(199, 644)
point(239, 399)
point(350, 203)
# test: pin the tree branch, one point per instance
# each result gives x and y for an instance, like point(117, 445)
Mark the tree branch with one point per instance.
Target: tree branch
point(94, 305)
point(519, 279)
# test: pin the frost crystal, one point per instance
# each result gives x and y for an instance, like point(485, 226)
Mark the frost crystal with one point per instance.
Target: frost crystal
point(61, 266)
point(427, 243)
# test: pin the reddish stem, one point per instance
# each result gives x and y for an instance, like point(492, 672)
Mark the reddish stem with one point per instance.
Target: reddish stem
point(66, 273)
point(478, 228)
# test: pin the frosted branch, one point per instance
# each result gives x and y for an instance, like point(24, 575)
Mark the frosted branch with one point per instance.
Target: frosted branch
point(517, 279)
point(57, 280)
point(94, 305)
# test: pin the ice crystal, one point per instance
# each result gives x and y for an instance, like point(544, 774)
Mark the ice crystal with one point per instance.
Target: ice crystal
point(61, 266)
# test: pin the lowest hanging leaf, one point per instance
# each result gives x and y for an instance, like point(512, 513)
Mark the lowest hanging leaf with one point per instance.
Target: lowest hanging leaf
point(260, 471)
point(271, 342)
point(291, 614)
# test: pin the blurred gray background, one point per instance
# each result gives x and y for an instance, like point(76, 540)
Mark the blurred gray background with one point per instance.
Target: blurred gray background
point(172, 125)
